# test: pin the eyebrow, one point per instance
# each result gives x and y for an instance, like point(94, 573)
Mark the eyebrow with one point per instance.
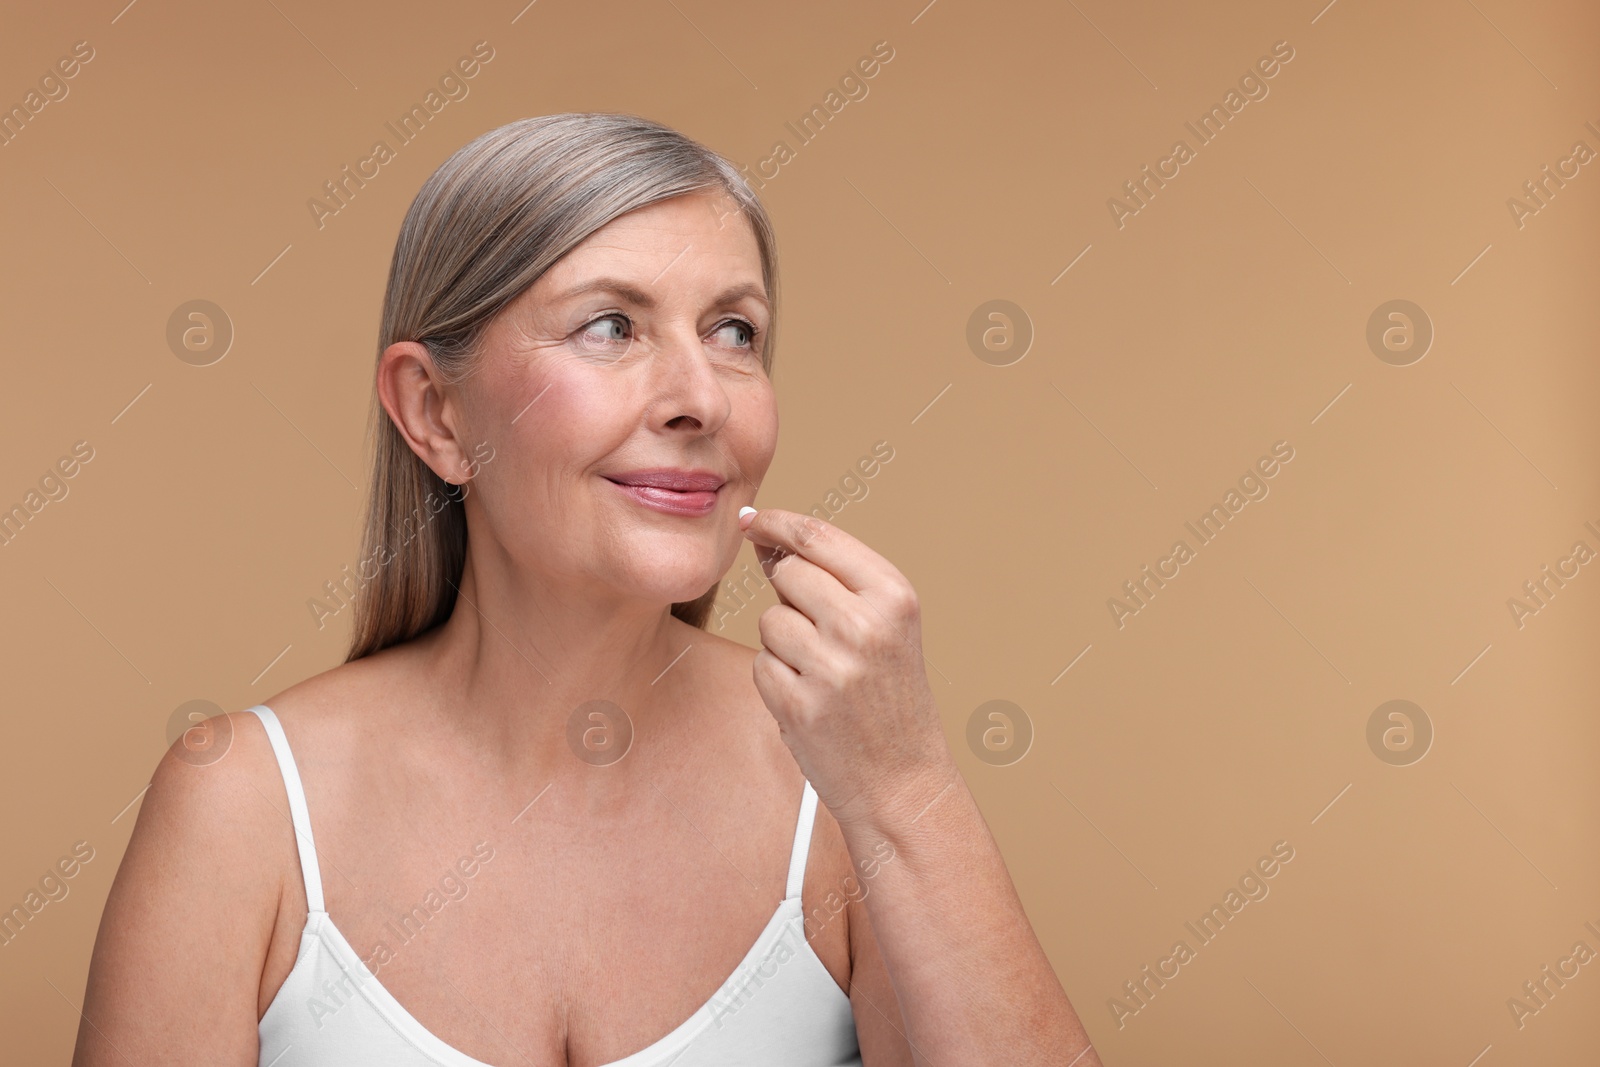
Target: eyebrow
point(635, 295)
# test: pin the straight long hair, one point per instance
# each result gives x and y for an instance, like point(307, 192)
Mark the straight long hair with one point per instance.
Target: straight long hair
point(486, 225)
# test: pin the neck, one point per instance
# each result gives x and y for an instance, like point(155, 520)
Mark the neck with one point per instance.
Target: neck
point(520, 653)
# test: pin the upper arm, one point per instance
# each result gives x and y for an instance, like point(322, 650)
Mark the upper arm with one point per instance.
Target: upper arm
point(879, 1027)
point(176, 971)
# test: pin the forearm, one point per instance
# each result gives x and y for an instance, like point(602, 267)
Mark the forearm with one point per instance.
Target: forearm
point(970, 975)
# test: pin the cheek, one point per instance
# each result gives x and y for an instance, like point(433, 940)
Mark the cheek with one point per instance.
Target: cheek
point(754, 430)
point(561, 421)
point(548, 471)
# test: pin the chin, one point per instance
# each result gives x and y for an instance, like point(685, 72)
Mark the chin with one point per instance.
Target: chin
point(676, 582)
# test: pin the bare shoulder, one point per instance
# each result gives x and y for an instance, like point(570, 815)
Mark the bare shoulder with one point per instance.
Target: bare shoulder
point(203, 868)
point(206, 825)
point(210, 829)
point(726, 650)
point(726, 667)
point(208, 893)
point(731, 663)
point(330, 707)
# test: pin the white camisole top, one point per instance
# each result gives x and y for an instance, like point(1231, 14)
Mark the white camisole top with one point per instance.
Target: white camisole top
point(779, 1008)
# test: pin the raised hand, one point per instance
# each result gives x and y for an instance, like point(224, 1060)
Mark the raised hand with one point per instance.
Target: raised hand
point(842, 672)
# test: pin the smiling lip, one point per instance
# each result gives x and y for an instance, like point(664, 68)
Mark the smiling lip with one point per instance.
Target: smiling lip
point(673, 491)
point(684, 481)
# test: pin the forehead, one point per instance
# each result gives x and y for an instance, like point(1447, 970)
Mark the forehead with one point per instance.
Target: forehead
point(695, 235)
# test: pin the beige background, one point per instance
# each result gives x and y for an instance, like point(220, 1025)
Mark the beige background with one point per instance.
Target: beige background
point(1227, 315)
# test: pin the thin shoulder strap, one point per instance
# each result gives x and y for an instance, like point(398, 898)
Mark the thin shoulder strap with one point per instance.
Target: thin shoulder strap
point(297, 806)
point(802, 841)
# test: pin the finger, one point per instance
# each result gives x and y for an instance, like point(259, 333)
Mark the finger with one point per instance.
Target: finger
point(768, 557)
point(817, 595)
point(792, 637)
point(791, 573)
point(839, 612)
point(856, 566)
point(776, 681)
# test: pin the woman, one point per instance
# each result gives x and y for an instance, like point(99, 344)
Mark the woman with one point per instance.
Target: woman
point(540, 815)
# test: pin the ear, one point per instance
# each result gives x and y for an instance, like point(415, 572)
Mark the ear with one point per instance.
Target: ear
point(425, 409)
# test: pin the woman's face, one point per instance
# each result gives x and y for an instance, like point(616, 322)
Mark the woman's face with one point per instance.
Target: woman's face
point(639, 351)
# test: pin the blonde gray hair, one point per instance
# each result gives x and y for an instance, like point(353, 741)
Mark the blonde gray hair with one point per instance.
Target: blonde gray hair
point(486, 225)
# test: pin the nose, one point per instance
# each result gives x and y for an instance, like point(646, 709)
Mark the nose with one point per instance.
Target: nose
point(686, 392)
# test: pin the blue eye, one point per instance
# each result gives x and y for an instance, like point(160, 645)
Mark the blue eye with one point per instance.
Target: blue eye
point(617, 332)
point(612, 334)
point(746, 329)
